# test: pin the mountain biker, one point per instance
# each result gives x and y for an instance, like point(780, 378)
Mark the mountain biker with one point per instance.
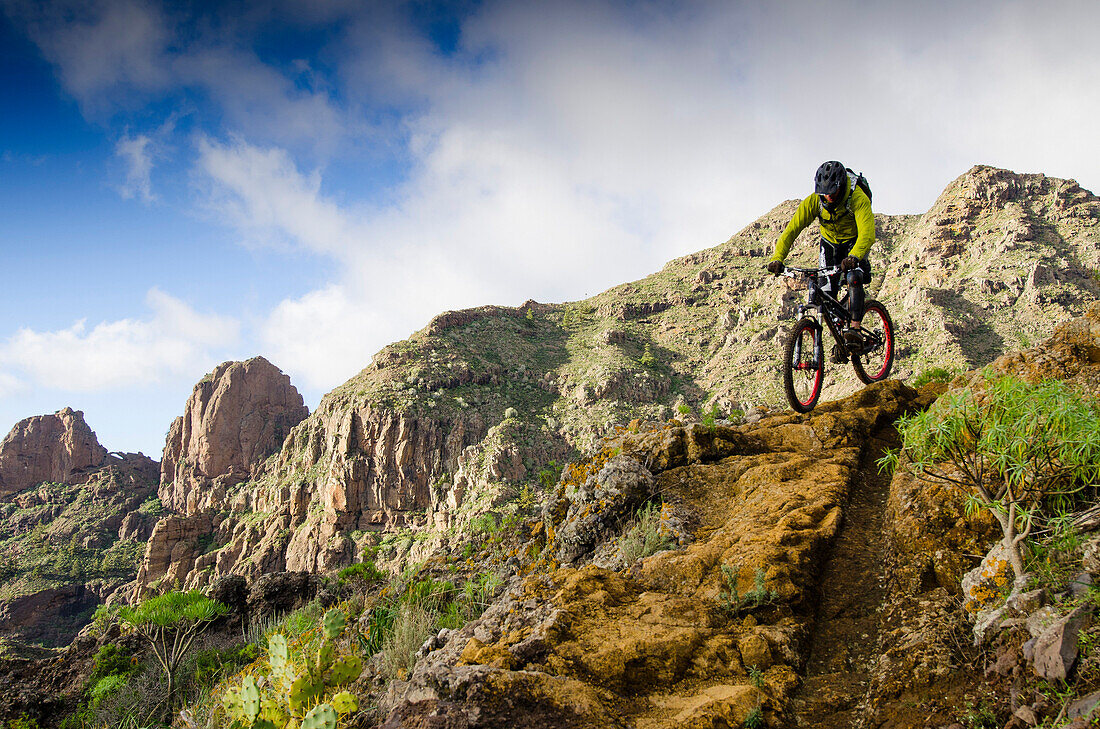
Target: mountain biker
point(847, 233)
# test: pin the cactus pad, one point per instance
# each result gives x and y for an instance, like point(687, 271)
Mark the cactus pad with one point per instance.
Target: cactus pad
point(321, 717)
point(345, 702)
point(325, 655)
point(346, 670)
point(302, 691)
point(250, 698)
point(334, 622)
point(234, 707)
point(277, 651)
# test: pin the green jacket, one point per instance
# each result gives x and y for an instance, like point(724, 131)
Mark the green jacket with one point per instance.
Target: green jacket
point(858, 223)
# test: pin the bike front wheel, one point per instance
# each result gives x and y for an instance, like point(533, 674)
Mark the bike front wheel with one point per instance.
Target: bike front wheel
point(873, 363)
point(803, 366)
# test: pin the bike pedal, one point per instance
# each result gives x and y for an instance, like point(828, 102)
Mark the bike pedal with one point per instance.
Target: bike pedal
point(840, 355)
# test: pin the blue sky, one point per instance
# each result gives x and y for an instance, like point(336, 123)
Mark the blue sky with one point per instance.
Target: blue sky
point(186, 183)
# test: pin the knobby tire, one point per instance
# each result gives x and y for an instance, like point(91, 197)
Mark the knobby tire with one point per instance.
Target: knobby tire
point(803, 366)
point(876, 319)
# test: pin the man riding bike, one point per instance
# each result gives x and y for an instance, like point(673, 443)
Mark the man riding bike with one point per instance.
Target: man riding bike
point(847, 233)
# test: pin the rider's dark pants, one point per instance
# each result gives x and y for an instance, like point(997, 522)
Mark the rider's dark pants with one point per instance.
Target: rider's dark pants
point(832, 256)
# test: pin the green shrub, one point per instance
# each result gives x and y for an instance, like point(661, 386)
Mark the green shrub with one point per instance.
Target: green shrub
point(106, 686)
point(364, 572)
point(485, 524)
point(548, 476)
point(413, 624)
point(1014, 448)
point(935, 374)
point(644, 535)
point(112, 660)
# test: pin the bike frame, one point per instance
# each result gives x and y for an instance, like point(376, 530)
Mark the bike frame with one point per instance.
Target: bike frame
point(826, 308)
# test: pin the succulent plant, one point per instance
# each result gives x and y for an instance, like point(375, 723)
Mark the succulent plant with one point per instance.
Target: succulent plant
point(346, 670)
point(250, 698)
point(320, 717)
point(278, 653)
point(345, 702)
point(303, 691)
point(326, 654)
point(334, 622)
point(298, 691)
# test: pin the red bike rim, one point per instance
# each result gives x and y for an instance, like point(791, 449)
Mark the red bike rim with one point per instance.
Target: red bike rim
point(818, 371)
point(888, 344)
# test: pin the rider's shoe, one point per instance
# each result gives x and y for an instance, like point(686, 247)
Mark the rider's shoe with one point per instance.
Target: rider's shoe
point(853, 338)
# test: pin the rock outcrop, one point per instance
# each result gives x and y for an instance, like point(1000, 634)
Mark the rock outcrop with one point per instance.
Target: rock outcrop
point(48, 448)
point(237, 416)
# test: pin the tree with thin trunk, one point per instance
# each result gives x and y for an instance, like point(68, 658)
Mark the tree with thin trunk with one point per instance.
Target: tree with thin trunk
point(170, 623)
point(1012, 447)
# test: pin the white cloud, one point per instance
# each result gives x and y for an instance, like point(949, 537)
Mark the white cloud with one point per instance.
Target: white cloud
point(173, 341)
point(137, 153)
point(261, 191)
point(323, 337)
point(104, 49)
point(566, 148)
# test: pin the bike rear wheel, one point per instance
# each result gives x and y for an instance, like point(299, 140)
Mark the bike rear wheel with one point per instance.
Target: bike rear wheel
point(877, 358)
point(803, 366)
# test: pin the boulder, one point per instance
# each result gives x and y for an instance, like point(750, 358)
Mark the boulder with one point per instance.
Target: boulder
point(1055, 650)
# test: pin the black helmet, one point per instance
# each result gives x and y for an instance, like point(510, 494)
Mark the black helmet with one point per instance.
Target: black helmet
point(831, 179)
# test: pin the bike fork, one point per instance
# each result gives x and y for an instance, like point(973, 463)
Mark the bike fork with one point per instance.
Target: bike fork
point(818, 349)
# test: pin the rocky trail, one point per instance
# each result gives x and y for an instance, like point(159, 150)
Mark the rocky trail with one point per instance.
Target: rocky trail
point(672, 642)
point(852, 592)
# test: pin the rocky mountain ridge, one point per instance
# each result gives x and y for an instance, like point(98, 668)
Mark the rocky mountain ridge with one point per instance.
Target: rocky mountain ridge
point(482, 405)
point(665, 386)
point(73, 524)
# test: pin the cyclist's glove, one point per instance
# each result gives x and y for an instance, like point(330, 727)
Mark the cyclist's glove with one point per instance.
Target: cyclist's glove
point(776, 267)
point(849, 263)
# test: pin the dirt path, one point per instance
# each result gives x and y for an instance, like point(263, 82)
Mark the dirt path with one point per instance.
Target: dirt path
point(852, 593)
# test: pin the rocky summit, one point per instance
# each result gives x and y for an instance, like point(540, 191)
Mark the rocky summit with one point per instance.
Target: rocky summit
point(500, 465)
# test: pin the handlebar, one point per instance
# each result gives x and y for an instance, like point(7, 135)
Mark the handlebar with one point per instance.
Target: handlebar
point(794, 272)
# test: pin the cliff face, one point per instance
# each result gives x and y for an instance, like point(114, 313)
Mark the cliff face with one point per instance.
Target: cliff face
point(235, 418)
point(483, 405)
point(47, 448)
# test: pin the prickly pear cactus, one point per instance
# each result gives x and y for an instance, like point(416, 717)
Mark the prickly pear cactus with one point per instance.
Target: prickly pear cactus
point(321, 717)
point(326, 654)
point(345, 702)
point(303, 691)
point(250, 698)
point(334, 622)
point(346, 670)
point(297, 692)
point(234, 707)
point(278, 653)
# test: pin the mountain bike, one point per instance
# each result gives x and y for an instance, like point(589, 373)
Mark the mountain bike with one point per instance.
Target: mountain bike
point(804, 354)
